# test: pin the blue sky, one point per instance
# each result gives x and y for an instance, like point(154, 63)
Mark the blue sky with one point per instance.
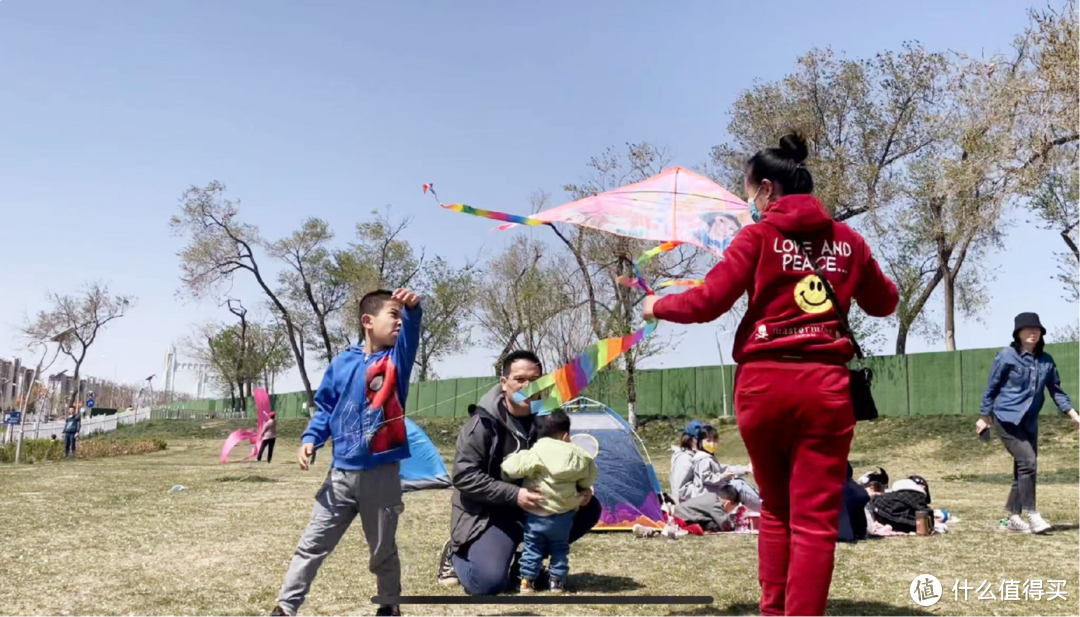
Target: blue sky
point(332, 109)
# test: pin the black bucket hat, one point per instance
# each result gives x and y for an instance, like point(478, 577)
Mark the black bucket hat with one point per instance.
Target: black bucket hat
point(1027, 320)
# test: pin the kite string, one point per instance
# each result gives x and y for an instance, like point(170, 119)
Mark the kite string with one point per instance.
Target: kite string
point(432, 406)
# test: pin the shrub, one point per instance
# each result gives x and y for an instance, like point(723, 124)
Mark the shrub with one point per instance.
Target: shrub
point(37, 450)
point(33, 451)
point(99, 448)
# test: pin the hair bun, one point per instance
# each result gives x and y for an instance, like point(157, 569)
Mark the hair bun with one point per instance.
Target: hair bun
point(793, 146)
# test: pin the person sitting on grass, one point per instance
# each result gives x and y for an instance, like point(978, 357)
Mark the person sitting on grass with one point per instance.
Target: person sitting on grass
point(560, 471)
point(361, 405)
point(714, 511)
point(710, 475)
point(682, 461)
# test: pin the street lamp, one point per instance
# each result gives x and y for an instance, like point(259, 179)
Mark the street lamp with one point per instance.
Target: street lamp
point(30, 388)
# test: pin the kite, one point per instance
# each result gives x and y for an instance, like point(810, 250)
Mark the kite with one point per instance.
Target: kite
point(262, 406)
point(569, 380)
point(674, 205)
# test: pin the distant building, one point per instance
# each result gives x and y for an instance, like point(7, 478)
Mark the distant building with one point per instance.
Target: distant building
point(14, 382)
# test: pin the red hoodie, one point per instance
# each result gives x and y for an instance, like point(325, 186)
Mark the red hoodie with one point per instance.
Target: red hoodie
point(789, 315)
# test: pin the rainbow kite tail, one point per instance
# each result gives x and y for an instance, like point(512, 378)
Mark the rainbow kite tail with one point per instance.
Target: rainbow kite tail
point(569, 380)
point(493, 215)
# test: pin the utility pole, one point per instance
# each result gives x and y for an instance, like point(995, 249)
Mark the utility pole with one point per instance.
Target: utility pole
point(723, 377)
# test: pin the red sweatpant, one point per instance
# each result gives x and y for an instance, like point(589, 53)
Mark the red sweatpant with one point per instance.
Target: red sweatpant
point(797, 422)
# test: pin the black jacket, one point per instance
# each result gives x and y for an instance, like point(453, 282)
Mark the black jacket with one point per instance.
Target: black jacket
point(72, 424)
point(898, 509)
point(481, 498)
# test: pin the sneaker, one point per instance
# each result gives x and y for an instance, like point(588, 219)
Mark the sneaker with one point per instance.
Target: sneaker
point(447, 575)
point(641, 531)
point(558, 585)
point(526, 586)
point(1038, 524)
point(280, 611)
point(391, 610)
point(1017, 524)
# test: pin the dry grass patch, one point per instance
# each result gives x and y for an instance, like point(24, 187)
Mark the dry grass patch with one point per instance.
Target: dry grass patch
point(107, 537)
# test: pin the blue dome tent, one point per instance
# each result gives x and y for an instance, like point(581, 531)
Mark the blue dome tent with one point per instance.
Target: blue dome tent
point(627, 487)
point(424, 468)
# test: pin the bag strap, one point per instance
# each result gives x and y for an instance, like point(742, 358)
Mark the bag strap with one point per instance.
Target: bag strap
point(844, 326)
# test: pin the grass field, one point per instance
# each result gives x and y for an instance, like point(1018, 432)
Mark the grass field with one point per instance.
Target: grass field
point(107, 537)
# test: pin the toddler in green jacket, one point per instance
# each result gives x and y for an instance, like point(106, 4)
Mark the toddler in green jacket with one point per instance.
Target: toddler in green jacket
point(558, 470)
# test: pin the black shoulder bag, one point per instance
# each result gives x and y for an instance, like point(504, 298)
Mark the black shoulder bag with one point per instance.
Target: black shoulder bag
point(861, 378)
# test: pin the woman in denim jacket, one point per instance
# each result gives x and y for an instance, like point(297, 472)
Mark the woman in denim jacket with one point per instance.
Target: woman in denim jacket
point(1013, 399)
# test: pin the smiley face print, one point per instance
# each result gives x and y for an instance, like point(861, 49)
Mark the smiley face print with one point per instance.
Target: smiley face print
point(810, 295)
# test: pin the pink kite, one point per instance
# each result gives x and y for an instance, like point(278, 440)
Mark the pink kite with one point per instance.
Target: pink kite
point(674, 205)
point(262, 408)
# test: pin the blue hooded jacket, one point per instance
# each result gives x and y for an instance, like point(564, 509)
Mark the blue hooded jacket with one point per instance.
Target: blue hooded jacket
point(361, 402)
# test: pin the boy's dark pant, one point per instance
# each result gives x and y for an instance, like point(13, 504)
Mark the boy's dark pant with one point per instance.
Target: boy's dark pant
point(268, 447)
point(1023, 445)
point(69, 443)
point(547, 535)
point(374, 494)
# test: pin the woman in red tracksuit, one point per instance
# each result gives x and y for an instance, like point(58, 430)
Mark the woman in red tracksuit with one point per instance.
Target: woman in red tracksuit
point(791, 391)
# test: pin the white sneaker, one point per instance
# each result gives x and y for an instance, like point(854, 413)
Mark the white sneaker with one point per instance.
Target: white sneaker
point(1018, 524)
point(1038, 524)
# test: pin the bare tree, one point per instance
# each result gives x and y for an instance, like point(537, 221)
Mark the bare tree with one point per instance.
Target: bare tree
point(1057, 205)
point(220, 246)
point(241, 356)
point(951, 221)
point(524, 295)
point(315, 282)
point(1066, 334)
point(84, 313)
point(381, 258)
point(603, 258)
point(863, 118)
point(448, 297)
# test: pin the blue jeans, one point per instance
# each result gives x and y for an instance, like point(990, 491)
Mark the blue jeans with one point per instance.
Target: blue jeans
point(547, 535)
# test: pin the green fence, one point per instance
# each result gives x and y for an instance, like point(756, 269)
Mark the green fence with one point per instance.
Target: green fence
point(944, 383)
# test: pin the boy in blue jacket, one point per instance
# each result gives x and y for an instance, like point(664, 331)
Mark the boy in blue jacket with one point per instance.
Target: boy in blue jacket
point(361, 406)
